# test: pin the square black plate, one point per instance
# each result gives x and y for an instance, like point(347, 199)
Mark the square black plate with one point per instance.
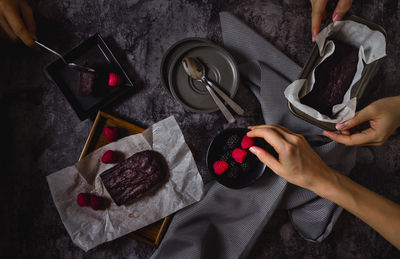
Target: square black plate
point(96, 52)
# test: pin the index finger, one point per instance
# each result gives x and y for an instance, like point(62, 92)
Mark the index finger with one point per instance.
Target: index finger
point(11, 13)
point(318, 11)
point(356, 139)
point(29, 20)
point(273, 137)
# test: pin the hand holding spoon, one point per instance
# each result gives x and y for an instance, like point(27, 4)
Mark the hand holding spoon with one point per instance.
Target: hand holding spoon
point(69, 64)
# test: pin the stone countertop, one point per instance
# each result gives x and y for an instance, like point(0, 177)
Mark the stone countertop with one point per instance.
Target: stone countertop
point(42, 134)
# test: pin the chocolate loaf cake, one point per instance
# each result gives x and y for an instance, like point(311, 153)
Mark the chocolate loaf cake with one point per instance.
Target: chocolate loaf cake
point(85, 82)
point(333, 78)
point(133, 177)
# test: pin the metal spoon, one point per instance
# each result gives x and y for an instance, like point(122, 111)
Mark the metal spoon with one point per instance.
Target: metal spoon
point(69, 64)
point(194, 62)
point(196, 70)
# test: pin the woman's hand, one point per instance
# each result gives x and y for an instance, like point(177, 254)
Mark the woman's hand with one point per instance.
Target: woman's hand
point(17, 22)
point(383, 116)
point(297, 163)
point(319, 13)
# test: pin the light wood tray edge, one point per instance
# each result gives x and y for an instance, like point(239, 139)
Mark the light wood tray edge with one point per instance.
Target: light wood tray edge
point(159, 237)
point(100, 115)
point(132, 235)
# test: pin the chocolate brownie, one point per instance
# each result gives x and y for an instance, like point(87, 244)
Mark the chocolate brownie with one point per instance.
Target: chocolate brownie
point(85, 82)
point(133, 177)
point(332, 79)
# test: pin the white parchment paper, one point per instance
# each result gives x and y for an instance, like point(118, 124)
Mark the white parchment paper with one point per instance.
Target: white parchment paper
point(89, 228)
point(372, 46)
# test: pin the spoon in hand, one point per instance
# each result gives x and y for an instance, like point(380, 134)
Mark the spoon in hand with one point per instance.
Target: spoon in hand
point(69, 64)
point(196, 70)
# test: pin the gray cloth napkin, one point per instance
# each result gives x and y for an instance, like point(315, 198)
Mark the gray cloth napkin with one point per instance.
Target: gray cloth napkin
point(226, 222)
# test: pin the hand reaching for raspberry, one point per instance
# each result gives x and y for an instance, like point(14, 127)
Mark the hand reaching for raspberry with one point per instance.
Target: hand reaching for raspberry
point(300, 165)
point(297, 162)
point(383, 116)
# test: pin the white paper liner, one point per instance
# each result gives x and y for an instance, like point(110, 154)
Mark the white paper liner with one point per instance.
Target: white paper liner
point(89, 228)
point(372, 46)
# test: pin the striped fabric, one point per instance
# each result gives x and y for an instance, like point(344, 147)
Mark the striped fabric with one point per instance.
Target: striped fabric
point(226, 222)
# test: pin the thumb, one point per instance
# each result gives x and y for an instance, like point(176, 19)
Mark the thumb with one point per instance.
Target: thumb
point(359, 117)
point(266, 158)
point(341, 9)
point(317, 14)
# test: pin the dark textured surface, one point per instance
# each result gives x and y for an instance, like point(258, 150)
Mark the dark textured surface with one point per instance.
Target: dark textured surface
point(41, 133)
point(133, 177)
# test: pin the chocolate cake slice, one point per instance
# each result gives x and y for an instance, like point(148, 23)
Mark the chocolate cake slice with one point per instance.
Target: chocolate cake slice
point(333, 78)
point(133, 177)
point(85, 82)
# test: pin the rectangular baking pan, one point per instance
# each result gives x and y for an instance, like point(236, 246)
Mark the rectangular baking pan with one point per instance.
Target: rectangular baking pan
point(96, 51)
point(153, 233)
point(358, 89)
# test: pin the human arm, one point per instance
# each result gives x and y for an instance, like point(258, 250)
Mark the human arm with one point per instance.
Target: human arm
point(300, 165)
point(319, 13)
point(383, 116)
point(17, 21)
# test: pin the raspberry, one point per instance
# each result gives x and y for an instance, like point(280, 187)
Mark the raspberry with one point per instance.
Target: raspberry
point(233, 141)
point(247, 142)
point(82, 199)
point(96, 202)
point(220, 167)
point(110, 133)
point(239, 155)
point(114, 79)
point(109, 157)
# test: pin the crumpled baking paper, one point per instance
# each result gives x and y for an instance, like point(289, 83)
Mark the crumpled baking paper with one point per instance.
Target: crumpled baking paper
point(89, 228)
point(372, 46)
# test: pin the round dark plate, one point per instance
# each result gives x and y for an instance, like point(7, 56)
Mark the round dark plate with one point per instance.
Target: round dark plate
point(220, 68)
point(170, 54)
point(237, 176)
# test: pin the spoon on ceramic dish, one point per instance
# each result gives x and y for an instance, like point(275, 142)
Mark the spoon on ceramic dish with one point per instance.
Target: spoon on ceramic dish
point(196, 70)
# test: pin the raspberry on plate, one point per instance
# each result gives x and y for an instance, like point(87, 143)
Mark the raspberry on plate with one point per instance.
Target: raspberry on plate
point(114, 79)
point(220, 167)
point(239, 155)
point(247, 142)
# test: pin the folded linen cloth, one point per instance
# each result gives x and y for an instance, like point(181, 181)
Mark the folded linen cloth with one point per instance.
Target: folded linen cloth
point(226, 222)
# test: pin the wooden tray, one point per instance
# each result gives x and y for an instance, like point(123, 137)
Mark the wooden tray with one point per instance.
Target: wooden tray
point(151, 234)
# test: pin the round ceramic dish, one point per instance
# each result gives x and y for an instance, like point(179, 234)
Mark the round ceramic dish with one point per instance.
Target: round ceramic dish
point(220, 69)
point(245, 177)
point(170, 55)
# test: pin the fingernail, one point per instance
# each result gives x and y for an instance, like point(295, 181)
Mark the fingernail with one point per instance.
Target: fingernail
point(253, 150)
point(337, 17)
point(341, 126)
